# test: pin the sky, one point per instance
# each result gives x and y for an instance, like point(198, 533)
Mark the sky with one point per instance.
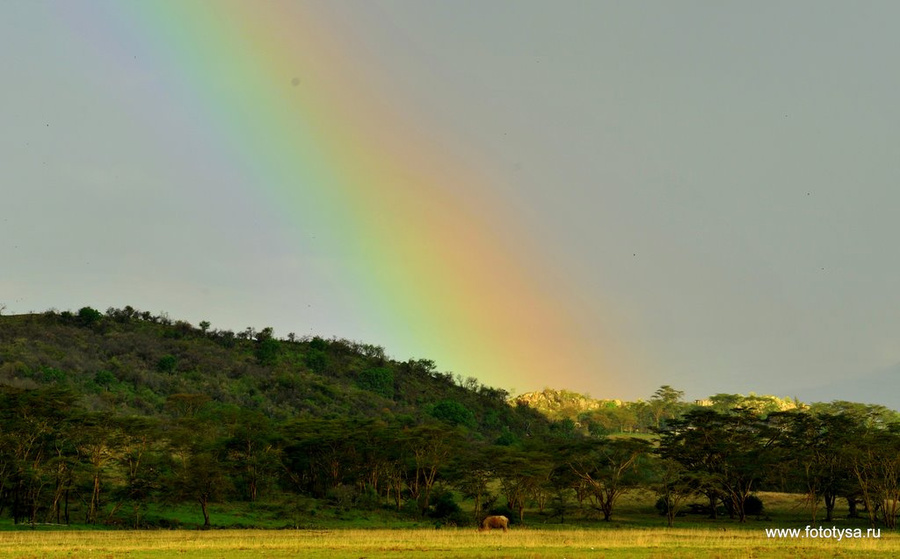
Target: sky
point(603, 197)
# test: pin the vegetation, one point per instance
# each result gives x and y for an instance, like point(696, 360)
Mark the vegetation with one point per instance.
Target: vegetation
point(376, 544)
point(132, 420)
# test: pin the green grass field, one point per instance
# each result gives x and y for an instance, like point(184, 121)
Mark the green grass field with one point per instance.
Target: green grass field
point(372, 544)
point(636, 531)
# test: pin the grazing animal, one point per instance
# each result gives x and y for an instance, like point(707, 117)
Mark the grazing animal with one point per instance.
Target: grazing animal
point(492, 522)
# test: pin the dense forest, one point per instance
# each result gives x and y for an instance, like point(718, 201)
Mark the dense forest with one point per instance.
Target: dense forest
point(113, 419)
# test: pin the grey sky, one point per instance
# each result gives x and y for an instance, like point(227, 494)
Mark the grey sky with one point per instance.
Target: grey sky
point(718, 181)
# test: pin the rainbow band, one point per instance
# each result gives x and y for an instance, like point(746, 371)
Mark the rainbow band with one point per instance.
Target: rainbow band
point(408, 234)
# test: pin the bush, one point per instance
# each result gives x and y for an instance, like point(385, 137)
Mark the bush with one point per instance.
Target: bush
point(368, 499)
point(444, 505)
point(88, 316)
point(343, 496)
point(104, 379)
point(167, 364)
point(507, 438)
point(267, 351)
point(753, 506)
point(379, 380)
point(446, 510)
point(454, 413)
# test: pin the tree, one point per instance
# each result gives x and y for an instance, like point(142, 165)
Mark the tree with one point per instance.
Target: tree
point(88, 316)
point(32, 445)
point(267, 349)
point(167, 364)
point(608, 468)
point(139, 461)
point(96, 440)
point(876, 464)
point(471, 472)
point(430, 447)
point(250, 449)
point(674, 484)
point(665, 404)
point(729, 453)
point(318, 454)
point(186, 405)
point(453, 413)
point(521, 471)
point(198, 470)
point(379, 380)
point(814, 452)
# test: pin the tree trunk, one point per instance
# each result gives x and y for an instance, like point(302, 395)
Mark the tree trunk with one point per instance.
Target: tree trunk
point(713, 513)
point(204, 503)
point(95, 499)
point(830, 498)
point(851, 505)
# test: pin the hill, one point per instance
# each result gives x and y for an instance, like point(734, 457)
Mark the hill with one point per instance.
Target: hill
point(133, 363)
point(130, 419)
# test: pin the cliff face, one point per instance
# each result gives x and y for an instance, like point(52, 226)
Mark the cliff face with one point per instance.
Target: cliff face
point(562, 404)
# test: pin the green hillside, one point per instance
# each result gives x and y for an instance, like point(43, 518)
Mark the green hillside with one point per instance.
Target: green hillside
point(134, 420)
point(134, 363)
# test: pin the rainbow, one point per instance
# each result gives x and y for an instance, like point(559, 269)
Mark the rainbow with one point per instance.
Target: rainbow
point(428, 255)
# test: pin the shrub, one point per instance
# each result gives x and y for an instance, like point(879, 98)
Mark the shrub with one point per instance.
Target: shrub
point(446, 510)
point(507, 438)
point(104, 379)
point(454, 413)
point(379, 380)
point(267, 351)
point(88, 316)
point(167, 364)
point(444, 505)
point(753, 506)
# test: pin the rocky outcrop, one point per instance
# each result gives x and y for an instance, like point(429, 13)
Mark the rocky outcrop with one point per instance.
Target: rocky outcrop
point(562, 404)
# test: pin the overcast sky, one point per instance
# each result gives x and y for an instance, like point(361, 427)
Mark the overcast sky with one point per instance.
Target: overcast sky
point(715, 185)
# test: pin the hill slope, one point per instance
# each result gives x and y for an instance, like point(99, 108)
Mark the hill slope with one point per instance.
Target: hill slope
point(134, 363)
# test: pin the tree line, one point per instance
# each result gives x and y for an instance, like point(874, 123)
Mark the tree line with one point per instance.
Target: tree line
point(61, 463)
point(106, 418)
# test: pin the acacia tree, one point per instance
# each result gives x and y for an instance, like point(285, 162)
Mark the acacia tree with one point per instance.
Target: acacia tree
point(430, 448)
point(198, 470)
point(471, 472)
point(674, 485)
point(64, 463)
point(876, 464)
point(30, 441)
point(728, 453)
point(96, 439)
point(665, 404)
point(608, 468)
point(521, 472)
point(375, 444)
point(318, 454)
point(138, 458)
point(250, 449)
point(814, 455)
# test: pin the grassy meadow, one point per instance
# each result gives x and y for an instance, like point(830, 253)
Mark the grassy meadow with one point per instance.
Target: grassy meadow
point(635, 533)
point(372, 544)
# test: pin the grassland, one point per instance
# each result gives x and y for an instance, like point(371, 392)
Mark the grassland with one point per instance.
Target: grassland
point(636, 533)
point(374, 544)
